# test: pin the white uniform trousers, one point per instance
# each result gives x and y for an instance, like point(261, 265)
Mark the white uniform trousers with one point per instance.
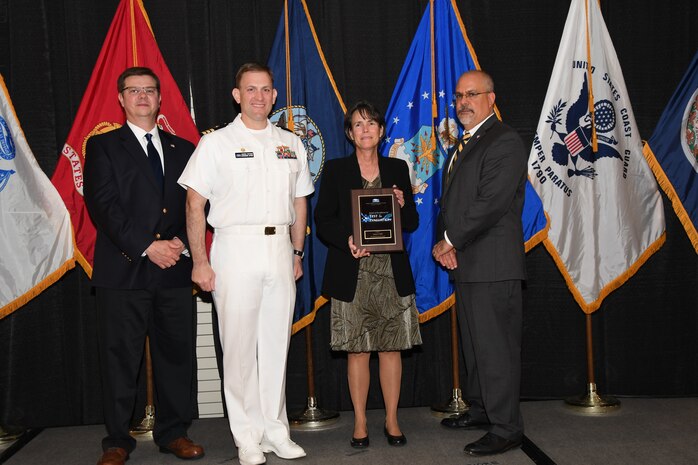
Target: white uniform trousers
point(254, 295)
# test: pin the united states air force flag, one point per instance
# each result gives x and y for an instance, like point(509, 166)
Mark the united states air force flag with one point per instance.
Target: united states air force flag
point(36, 237)
point(309, 104)
point(421, 128)
point(673, 151)
point(586, 163)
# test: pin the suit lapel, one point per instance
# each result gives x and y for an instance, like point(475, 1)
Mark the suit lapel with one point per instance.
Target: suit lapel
point(354, 174)
point(136, 152)
point(168, 154)
point(462, 155)
point(385, 173)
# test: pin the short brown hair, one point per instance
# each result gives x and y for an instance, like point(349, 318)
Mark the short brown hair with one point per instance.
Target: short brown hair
point(365, 109)
point(252, 66)
point(136, 71)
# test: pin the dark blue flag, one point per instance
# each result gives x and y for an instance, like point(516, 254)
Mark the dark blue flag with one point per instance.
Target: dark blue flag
point(309, 104)
point(421, 128)
point(672, 151)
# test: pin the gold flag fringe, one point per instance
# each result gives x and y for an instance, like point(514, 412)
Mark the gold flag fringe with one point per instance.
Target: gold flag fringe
point(36, 290)
point(310, 317)
point(538, 237)
point(438, 310)
point(322, 57)
point(591, 307)
point(670, 192)
point(83, 262)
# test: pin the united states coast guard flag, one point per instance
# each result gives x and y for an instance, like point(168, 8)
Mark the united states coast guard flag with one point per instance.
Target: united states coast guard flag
point(130, 42)
point(421, 128)
point(673, 151)
point(36, 238)
point(308, 103)
point(586, 163)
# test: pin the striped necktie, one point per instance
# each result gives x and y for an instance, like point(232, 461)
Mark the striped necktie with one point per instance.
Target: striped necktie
point(464, 140)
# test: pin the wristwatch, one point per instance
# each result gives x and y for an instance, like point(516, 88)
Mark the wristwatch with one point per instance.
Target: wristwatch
point(300, 253)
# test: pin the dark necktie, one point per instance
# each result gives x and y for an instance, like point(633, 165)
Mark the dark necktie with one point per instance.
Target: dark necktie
point(464, 140)
point(154, 160)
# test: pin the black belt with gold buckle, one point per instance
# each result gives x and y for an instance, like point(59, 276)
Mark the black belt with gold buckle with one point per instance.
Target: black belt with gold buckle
point(269, 230)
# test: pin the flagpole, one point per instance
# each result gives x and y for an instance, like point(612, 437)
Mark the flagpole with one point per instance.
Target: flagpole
point(145, 427)
point(455, 405)
point(434, 111)
point(594, 142)
point(287, 40)
point(592, 403)
point(312, 417)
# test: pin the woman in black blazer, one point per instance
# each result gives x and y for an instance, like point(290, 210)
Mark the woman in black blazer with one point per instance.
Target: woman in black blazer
point(372, 295)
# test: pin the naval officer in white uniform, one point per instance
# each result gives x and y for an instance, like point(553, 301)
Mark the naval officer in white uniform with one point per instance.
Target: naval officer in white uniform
point(256, 178)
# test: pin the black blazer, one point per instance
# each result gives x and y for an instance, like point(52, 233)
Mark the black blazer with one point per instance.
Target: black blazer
point(334, 225)
point(481, 205)
point(130, 211)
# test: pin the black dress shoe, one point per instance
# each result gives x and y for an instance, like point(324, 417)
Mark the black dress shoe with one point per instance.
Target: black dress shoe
point(491, 444)
point(359, 443)
point(395, 440)
point(462, 421)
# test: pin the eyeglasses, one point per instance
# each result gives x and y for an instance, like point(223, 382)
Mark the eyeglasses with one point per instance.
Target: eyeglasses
point(149, 91)
point(468, 95)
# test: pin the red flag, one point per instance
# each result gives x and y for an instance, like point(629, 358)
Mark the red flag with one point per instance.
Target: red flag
point(130, 42)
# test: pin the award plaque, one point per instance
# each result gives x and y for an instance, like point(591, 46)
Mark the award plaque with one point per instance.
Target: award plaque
point(376, 220)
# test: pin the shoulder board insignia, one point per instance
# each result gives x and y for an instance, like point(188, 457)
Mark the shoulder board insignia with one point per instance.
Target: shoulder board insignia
point(212, 129)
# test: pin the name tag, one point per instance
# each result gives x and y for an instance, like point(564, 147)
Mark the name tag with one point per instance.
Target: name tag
point(244, 154)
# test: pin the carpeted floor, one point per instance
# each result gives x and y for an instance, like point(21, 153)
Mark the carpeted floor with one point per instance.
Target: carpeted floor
point(641, 432)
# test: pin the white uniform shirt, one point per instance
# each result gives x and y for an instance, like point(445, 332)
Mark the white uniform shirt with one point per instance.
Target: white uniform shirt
point(248, 179)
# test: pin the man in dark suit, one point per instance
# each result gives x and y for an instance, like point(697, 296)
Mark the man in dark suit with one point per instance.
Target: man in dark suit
point(142, 272)
point(482, 246)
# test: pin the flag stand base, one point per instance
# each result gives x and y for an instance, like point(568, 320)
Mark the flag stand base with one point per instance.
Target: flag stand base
point(455, 406)
point(6, 436)
point(592, 403)
point(145, 427)
point(313, 417)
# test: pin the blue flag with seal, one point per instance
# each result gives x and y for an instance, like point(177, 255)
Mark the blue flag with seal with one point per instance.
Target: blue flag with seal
point(308, 103)
point(672, 151)
point(421, 129)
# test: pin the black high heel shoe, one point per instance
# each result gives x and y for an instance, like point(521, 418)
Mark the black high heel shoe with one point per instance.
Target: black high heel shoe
point(359, 443)
point(394, 440)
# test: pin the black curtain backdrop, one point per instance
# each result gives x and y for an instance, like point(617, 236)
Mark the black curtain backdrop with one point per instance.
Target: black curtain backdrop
point(645, 333)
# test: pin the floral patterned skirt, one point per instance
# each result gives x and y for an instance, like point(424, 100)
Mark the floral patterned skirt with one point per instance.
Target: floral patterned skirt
point(378, 319)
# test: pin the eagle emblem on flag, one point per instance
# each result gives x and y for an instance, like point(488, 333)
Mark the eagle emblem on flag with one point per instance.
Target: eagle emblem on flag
point(574, 146)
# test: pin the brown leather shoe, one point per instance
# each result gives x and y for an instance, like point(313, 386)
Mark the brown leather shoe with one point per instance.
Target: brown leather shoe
point(113, 456)
point(183, 448)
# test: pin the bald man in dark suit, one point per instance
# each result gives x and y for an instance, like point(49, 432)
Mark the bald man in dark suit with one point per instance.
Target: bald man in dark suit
point(482, 245)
